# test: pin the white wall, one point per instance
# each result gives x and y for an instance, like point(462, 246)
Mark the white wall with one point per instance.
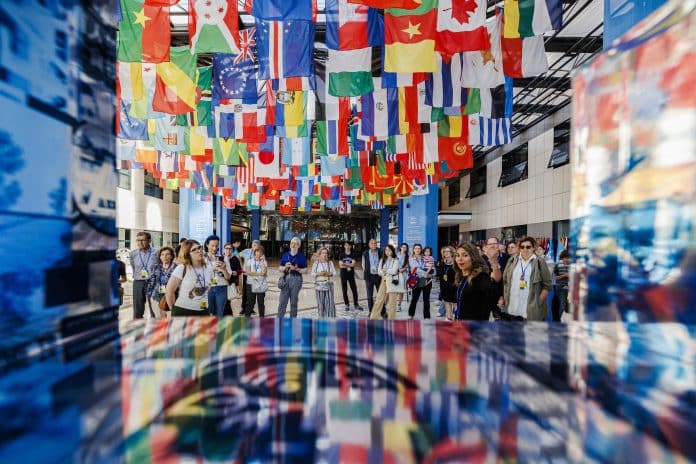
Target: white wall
point(539, 200)
point(136, 211)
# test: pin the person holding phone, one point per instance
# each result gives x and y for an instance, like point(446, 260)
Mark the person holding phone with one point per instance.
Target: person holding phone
point(217, 295)
point(346, 262)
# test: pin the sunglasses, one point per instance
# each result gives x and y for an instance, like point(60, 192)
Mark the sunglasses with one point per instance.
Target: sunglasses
point(526, 247)
point(196, 248)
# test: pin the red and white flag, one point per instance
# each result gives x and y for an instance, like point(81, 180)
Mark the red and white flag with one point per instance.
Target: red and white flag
point(460, 26)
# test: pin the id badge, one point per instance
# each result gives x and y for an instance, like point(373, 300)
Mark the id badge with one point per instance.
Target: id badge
point(204, 304)
point(143, 274)
point(523, 284)
point(162, 289)
point(214, 281)
point(444, 277)
point(349, 269)
point(373, 270)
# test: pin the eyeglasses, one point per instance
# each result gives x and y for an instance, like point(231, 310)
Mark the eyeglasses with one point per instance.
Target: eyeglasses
point(141, 240)
point(526, 247)
point(491, 244)
point(228, 248)
point(196, 248)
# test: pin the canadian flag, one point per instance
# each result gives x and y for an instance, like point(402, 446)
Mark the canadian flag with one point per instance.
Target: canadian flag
point(460, 26)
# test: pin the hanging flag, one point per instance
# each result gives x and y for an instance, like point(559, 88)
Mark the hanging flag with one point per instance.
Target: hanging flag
point(382, 4)
point(144, 32)
point(350, 72)
point(294, 108)
point(484, 69)
point(493, 125)
point(333, 165)
point(409, 37)
point(239, 121)
point(142, 108)
point(380, 115)
point(175, 89)
point(203, 115)
point(167, 161)
point(296, 152)
point(168, 136)
point(129, 127)
point(524, 57)
point(229, 152)
point(233, 79)
point(284, 48)
point(279, 10)
point(350, 26)
point(212, 26)
point(443, 87)
point(460, 26)
point(129, 81)
point(456, 152)
point(527, 18)
point(332, 137)
point(267, 163)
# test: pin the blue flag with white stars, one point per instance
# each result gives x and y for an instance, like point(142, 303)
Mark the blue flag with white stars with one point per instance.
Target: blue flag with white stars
point(233, 78)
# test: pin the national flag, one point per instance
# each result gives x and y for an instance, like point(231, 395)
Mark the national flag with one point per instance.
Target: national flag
point(129, 81)
point(229, 152)
point(144, 32)
point(443, 87)
point(484, 69)
point(497, 102)
point(142, 108)
point(456, 152)
point(284, 48)
point(293, 83)
point(390, 79)
point(267, 163)
point(175, 89)
point(213, 27)
point(350, 72)
point(279, 10)
point(240, 121)
point(409, 37)
point(332, 137)
point(452, 126)
point(233, 79)
point(350, 26)
point(524, 57)
point(460, 26)
point(493, 125)
point(167, 161)
point(333, 165)
point(380, 112)
point(203, 115)
point(130, 127)
point(527, 18)
point(382, 4)
point(195, 141)
point(125, 150)
point(296, 152)
point(294, 108)
point(168, 136)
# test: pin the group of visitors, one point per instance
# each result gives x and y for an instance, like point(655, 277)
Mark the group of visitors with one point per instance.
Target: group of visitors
point(475, 282)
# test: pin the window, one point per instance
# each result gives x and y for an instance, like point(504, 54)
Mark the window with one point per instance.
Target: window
point(175, 239)
point(560, 156)
point(124, 179)
point(175, 196)
point(124, 238)
point(453, 190)
point(514, 166)
point(477, 182)
point(152, 187)
point(157, 238)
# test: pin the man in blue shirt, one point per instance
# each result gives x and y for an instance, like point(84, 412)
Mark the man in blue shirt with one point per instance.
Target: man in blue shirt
point(143, 262)
point(293, 264)
point(370, 263)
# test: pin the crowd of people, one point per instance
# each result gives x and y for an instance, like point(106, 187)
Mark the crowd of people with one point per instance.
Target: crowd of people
point(493, 281)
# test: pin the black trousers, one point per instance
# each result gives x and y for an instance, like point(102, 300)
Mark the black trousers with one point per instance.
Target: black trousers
point(348, 277)
point(372, 282)
point(139, 299)
point(415, 294)
point(252, 300)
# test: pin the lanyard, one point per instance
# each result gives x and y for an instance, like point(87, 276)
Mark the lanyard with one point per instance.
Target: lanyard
point(257, 265)
point(387, 263)
point(460, 291)
point(524, 268)
point(166, 273)
point(199, 277)
point(140, 255)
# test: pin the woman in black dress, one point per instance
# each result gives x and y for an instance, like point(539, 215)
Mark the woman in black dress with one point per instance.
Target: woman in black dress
point(445, 272)
point(473, 283)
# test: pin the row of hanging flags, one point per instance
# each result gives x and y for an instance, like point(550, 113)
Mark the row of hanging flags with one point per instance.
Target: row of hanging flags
point(393, 104)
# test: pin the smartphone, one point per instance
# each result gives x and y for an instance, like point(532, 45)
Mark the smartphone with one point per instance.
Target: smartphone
point(221, 259)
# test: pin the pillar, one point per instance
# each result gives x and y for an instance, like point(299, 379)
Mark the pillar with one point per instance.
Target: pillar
point(195, 216)
point(255, 224)
point(418, 220)
point(384, 227)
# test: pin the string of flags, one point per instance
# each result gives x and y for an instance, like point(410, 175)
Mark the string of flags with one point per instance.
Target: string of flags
point(390, 103)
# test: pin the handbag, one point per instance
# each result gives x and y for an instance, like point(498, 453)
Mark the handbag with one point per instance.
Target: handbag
point(395, 280)
point(233, 292)
point(322, 285)
point(259, 285)
point(282, 282)
point(163, 306)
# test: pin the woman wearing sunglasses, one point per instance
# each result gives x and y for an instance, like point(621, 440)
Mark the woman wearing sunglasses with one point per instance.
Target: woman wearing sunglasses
point(527, 282)
point(191, 280)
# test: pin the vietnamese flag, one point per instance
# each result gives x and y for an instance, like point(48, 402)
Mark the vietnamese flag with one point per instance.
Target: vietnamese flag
point(144, 33)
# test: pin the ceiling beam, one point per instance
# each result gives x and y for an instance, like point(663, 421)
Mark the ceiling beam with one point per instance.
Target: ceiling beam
point(588, 44)
point(529, 108)
point(542, 82)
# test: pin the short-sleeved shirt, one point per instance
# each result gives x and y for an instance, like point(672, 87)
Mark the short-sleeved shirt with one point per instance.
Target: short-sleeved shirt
point(345, 259)
point(143, 260)
point(195, 278)
point(218, 276)
point(299, 260)
point(561, 268)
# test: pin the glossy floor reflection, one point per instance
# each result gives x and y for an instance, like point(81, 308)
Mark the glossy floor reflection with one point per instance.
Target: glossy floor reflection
point(359, 391)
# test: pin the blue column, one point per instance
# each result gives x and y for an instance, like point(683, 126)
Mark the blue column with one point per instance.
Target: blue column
point(384, 227)
point(621, 15)
point(225, 224)
point(195, 216)
point(255, 224)
point(418, 220)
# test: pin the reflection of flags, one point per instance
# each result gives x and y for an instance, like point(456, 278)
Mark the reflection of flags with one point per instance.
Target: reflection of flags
point(284, 48)
point(232, 79)
point(460, 26)
point(409, 37)
point(144, 32)
point(524, 57)
point(350, 26)
point(213, 26)
point(527, 18)
point(175, 89)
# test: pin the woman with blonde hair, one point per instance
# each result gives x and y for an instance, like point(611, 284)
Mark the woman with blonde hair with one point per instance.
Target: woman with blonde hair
point(192, 279)
point(445, 271)
point(323, 271)
point(256, 269)
point(473, 283)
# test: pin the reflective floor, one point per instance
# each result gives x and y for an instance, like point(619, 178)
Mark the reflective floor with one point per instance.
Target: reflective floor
point(262, 390)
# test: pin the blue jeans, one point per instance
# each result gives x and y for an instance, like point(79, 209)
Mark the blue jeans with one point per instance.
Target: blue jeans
point(217, 297)
point(290, 292)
